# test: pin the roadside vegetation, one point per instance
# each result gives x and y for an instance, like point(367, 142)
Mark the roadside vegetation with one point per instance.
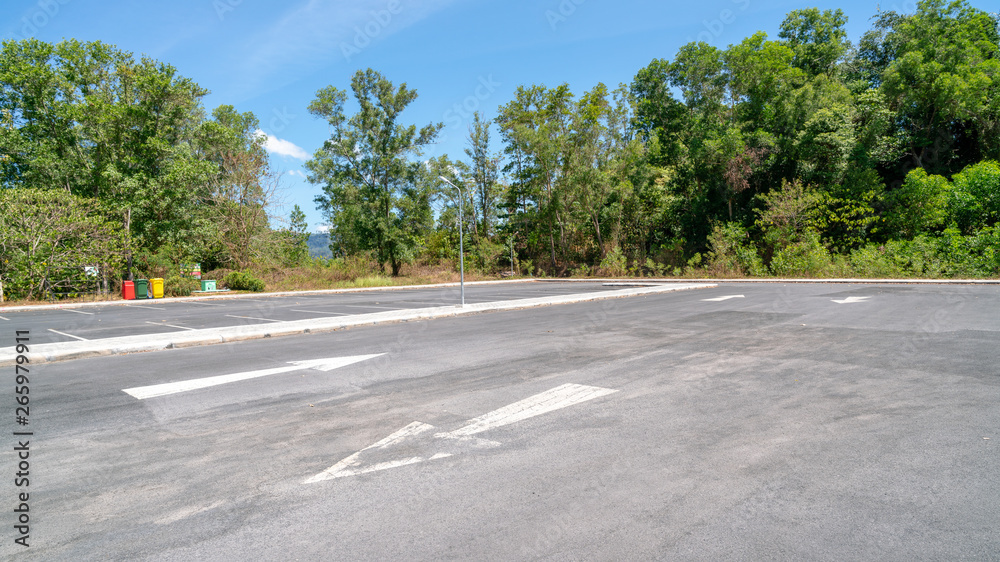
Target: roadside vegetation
point(802, 155)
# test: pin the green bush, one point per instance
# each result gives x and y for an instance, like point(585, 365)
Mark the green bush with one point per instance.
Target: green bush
point(947, 255)
point(805, 258)
point(180, 285)
point(732, 254)
point(875, 261)
point(243, 281)
point(975, 200)
point(614, 263)
point(48, 237)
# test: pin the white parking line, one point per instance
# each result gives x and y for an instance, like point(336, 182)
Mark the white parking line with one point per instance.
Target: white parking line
point(68, 335)
point(254, 318)
point(79, 311)
point(169, 325)
point(2, 318)
point(429, 303)
point(206, 303)
point(319, 312)
point(141, 306)
point(369, 306)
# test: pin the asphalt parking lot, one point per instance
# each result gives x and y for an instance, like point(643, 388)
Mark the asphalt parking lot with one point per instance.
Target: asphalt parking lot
point(157, 316)
point(748, 422)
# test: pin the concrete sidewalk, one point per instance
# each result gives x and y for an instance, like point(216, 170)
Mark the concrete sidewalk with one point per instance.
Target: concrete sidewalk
point(131, 344)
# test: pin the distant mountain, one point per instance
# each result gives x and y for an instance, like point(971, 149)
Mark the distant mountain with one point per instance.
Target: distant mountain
point(319, 245)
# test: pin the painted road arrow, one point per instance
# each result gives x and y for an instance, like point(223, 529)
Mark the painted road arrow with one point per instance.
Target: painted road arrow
point(144, 392)
point(725, 298)
point(850, 300)
point(397, 449)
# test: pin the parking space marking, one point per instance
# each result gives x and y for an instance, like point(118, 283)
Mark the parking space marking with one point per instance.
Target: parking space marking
point(141, 306)
point(68, 335)
point(2, 318)
point(169, 325)
point(206, 303)
point(428, 303)
point(78, 311)
point(319, 312)
point(254, 318)
point(369, 306)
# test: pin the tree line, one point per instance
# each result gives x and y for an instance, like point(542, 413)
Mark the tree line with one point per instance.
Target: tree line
point(108, 163)
point(805, 154)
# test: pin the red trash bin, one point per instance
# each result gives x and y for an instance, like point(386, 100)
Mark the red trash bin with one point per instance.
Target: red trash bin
point(128, 290)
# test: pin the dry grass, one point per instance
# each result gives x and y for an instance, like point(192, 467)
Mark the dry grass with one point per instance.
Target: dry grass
point(318, 277)
point(341, 274)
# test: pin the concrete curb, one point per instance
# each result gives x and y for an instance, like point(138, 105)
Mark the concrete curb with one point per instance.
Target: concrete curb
point(651, 280)
point(251, 295)
point(45, 353)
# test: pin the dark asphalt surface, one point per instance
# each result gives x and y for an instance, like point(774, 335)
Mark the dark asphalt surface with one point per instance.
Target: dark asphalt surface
point(158, 316)
point(780, 425)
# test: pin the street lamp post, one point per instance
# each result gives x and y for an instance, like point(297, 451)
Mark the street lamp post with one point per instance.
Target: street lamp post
point(461, 248)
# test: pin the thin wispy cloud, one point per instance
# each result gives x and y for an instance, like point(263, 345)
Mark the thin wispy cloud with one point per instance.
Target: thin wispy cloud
point(324, 32)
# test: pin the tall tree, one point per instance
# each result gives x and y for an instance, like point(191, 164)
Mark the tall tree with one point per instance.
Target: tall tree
point(366, 166)
point(818, 38)
point(940, 70)
point(485, 172)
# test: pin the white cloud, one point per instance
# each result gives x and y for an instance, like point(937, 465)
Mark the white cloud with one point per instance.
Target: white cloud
point(322, 228)
point(299, 173)
point(283, 147)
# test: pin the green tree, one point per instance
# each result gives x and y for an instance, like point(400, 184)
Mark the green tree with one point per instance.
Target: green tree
point(919, 206)
point(292, 242)
point(818, 39)
point(47, 239)
point(974, 203)
point(365, 167)
point(940, 70)
point(485, 173)
point(130, 134)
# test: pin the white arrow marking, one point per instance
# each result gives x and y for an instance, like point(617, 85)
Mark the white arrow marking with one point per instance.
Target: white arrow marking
point(559, 397)
point(850, 300)
point(725, 298)
point(143, 392)
point(548, 401)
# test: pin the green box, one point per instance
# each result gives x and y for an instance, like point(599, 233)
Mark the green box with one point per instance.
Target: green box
point(208, 285)
point(142, 288)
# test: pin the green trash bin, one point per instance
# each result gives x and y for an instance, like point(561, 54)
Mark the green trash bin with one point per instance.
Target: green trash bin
point(142, 288)
point(208, 285)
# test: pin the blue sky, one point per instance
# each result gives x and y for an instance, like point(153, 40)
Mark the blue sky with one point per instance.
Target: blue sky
point(460, 55)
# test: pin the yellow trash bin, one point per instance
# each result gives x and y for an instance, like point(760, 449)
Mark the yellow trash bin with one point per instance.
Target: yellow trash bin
point(156, 286)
